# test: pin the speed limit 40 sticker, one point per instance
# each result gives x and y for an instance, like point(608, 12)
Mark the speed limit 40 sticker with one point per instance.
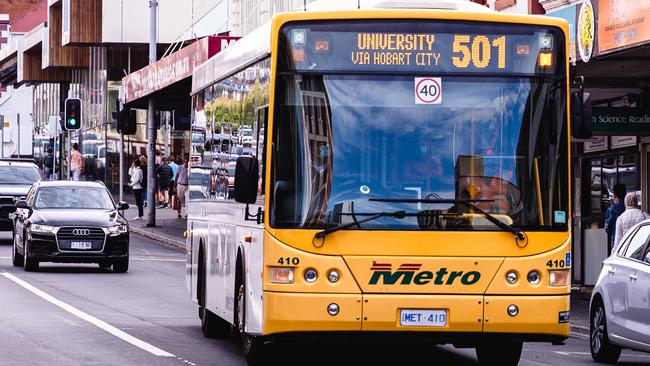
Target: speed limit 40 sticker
point(428, 91)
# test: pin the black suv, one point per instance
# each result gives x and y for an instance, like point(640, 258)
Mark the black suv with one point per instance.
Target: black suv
point(16, 177)
point(70, 222)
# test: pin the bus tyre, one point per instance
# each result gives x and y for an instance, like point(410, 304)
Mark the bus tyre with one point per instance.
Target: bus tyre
point(29, 264)
point(212, 326)
point(16, 258)
point(506, 353)
point(253, 347)
point(601, 349)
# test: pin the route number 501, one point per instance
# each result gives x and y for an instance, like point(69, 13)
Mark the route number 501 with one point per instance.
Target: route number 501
point(478, 51)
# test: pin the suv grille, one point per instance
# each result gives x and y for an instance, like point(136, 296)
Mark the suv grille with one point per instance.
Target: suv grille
point(67, 233)
point(8, 200)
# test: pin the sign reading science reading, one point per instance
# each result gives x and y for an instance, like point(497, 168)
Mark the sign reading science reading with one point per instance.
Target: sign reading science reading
point(416, 46)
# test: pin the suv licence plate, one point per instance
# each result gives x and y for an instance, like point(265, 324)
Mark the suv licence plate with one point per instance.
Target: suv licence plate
point(81, 245)
point(423, 318)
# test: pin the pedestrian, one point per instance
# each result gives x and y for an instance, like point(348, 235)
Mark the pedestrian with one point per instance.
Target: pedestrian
point(143, 166)
point(48, 164)
point(613, 212)
point(76, 162)
point(172, 188)
point(630, 217)
point(136, 183)
point(164, 176)
point(182, 182)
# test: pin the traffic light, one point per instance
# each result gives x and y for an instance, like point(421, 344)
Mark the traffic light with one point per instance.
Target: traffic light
point(126, 121)
point(72, 119)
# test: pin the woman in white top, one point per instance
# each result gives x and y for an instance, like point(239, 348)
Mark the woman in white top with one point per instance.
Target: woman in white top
point(136, 183)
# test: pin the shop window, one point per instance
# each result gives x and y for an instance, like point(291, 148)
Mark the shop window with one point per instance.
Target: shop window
point(604, 174)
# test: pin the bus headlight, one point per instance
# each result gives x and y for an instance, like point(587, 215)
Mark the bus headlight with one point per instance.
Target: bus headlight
point(559, 277)
point(533, 277)
point(511, 277)
point(281, 274)
point(333, 276)
point(311, 275)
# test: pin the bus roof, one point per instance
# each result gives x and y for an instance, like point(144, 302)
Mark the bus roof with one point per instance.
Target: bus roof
point(256, 45)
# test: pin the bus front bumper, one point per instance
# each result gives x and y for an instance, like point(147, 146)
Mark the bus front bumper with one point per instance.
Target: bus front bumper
point(539, 318)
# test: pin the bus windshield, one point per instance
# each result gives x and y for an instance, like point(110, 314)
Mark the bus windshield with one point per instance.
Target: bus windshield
point(342, 139)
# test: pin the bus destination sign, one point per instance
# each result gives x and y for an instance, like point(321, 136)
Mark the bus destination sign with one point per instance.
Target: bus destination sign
point(515, 50)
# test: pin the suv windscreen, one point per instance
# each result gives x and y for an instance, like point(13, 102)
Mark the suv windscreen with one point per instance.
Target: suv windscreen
point(19, 175)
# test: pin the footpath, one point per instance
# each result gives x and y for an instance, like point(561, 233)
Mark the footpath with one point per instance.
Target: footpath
point(169, 231)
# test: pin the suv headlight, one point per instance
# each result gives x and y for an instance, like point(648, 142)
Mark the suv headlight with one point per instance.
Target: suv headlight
point(118, 229)
point(45, 229)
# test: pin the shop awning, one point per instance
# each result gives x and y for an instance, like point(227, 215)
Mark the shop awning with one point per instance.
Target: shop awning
point(169, 79)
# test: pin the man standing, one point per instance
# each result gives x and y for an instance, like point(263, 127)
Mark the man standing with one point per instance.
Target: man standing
point(632, 216)
point(48, 164)
point(182, 182)
point(613, 212)
point(76, 162)
point(164, 174)
point(172, 189)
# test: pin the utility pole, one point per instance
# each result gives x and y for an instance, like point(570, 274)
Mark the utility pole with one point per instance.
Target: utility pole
point(18, 124)
point(151, 125)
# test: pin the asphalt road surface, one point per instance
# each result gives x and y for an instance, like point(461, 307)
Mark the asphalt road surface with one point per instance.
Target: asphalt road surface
point(82, 315)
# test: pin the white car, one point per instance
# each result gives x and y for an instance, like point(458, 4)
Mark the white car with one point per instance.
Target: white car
point(620, 301)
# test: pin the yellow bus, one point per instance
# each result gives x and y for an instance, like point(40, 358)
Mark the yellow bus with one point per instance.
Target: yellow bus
point(409, 176)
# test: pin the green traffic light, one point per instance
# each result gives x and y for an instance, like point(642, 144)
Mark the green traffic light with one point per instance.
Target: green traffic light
point(72, 122)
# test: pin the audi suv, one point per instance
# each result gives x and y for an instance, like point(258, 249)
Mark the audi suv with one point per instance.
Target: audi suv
point(70, 222)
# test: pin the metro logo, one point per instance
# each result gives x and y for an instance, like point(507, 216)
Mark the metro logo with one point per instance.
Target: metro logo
point(409, 273)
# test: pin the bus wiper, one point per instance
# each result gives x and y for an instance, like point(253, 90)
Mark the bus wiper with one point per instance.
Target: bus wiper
point(519, 234)
point(371, 216)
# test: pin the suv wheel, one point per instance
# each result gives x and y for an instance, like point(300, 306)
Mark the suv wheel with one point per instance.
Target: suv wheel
point(16, 258)
point(29, 264)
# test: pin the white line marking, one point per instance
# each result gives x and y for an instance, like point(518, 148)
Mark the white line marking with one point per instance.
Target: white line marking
point(569, 353)
point(90, 319)
point(5, 257)
point(157, 259)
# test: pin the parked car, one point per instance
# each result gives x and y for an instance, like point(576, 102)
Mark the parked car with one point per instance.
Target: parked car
point(70, 222)
point(16, 178)
point(620, 301)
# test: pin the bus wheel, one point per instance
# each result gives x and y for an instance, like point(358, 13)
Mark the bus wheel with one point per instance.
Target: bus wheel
point(252, 346)
point(212, 326)
point(505, 353)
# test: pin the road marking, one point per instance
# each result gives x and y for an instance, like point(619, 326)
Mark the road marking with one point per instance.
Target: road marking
point(569, 353)
point(156, 259)
point(90, 319)
point(5, 257)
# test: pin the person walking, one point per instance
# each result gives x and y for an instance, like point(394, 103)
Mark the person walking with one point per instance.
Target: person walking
point(136, 183)
point(182, 184)
point(48, 164)
point(630, 217)
point(612, 213)
point(76, 162)
point(172, 188)
point(164, 174)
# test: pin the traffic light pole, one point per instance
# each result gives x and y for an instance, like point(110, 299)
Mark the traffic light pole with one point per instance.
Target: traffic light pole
point(151, 126)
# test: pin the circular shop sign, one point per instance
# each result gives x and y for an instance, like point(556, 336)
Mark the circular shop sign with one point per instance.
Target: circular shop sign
point(586, 33)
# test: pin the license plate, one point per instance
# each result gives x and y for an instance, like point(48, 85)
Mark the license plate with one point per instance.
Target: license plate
point(422, 318)
point(81, 245)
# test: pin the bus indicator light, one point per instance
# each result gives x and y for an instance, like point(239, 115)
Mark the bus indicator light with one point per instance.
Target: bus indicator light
point(298, 54)
point(281, 275)
point(545, 59)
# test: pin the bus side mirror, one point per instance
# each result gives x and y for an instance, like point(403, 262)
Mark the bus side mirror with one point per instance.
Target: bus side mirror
point(246, 178)
point(581, 115)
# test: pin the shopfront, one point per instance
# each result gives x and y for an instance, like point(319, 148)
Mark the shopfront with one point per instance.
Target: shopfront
point(610, 53)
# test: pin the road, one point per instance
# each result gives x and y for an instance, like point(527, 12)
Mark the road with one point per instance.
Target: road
point(82, 315)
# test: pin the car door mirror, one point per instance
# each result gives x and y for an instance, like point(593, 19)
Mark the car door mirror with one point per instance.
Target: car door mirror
point(647, 257)
point(22, 204)
point(123, 206)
